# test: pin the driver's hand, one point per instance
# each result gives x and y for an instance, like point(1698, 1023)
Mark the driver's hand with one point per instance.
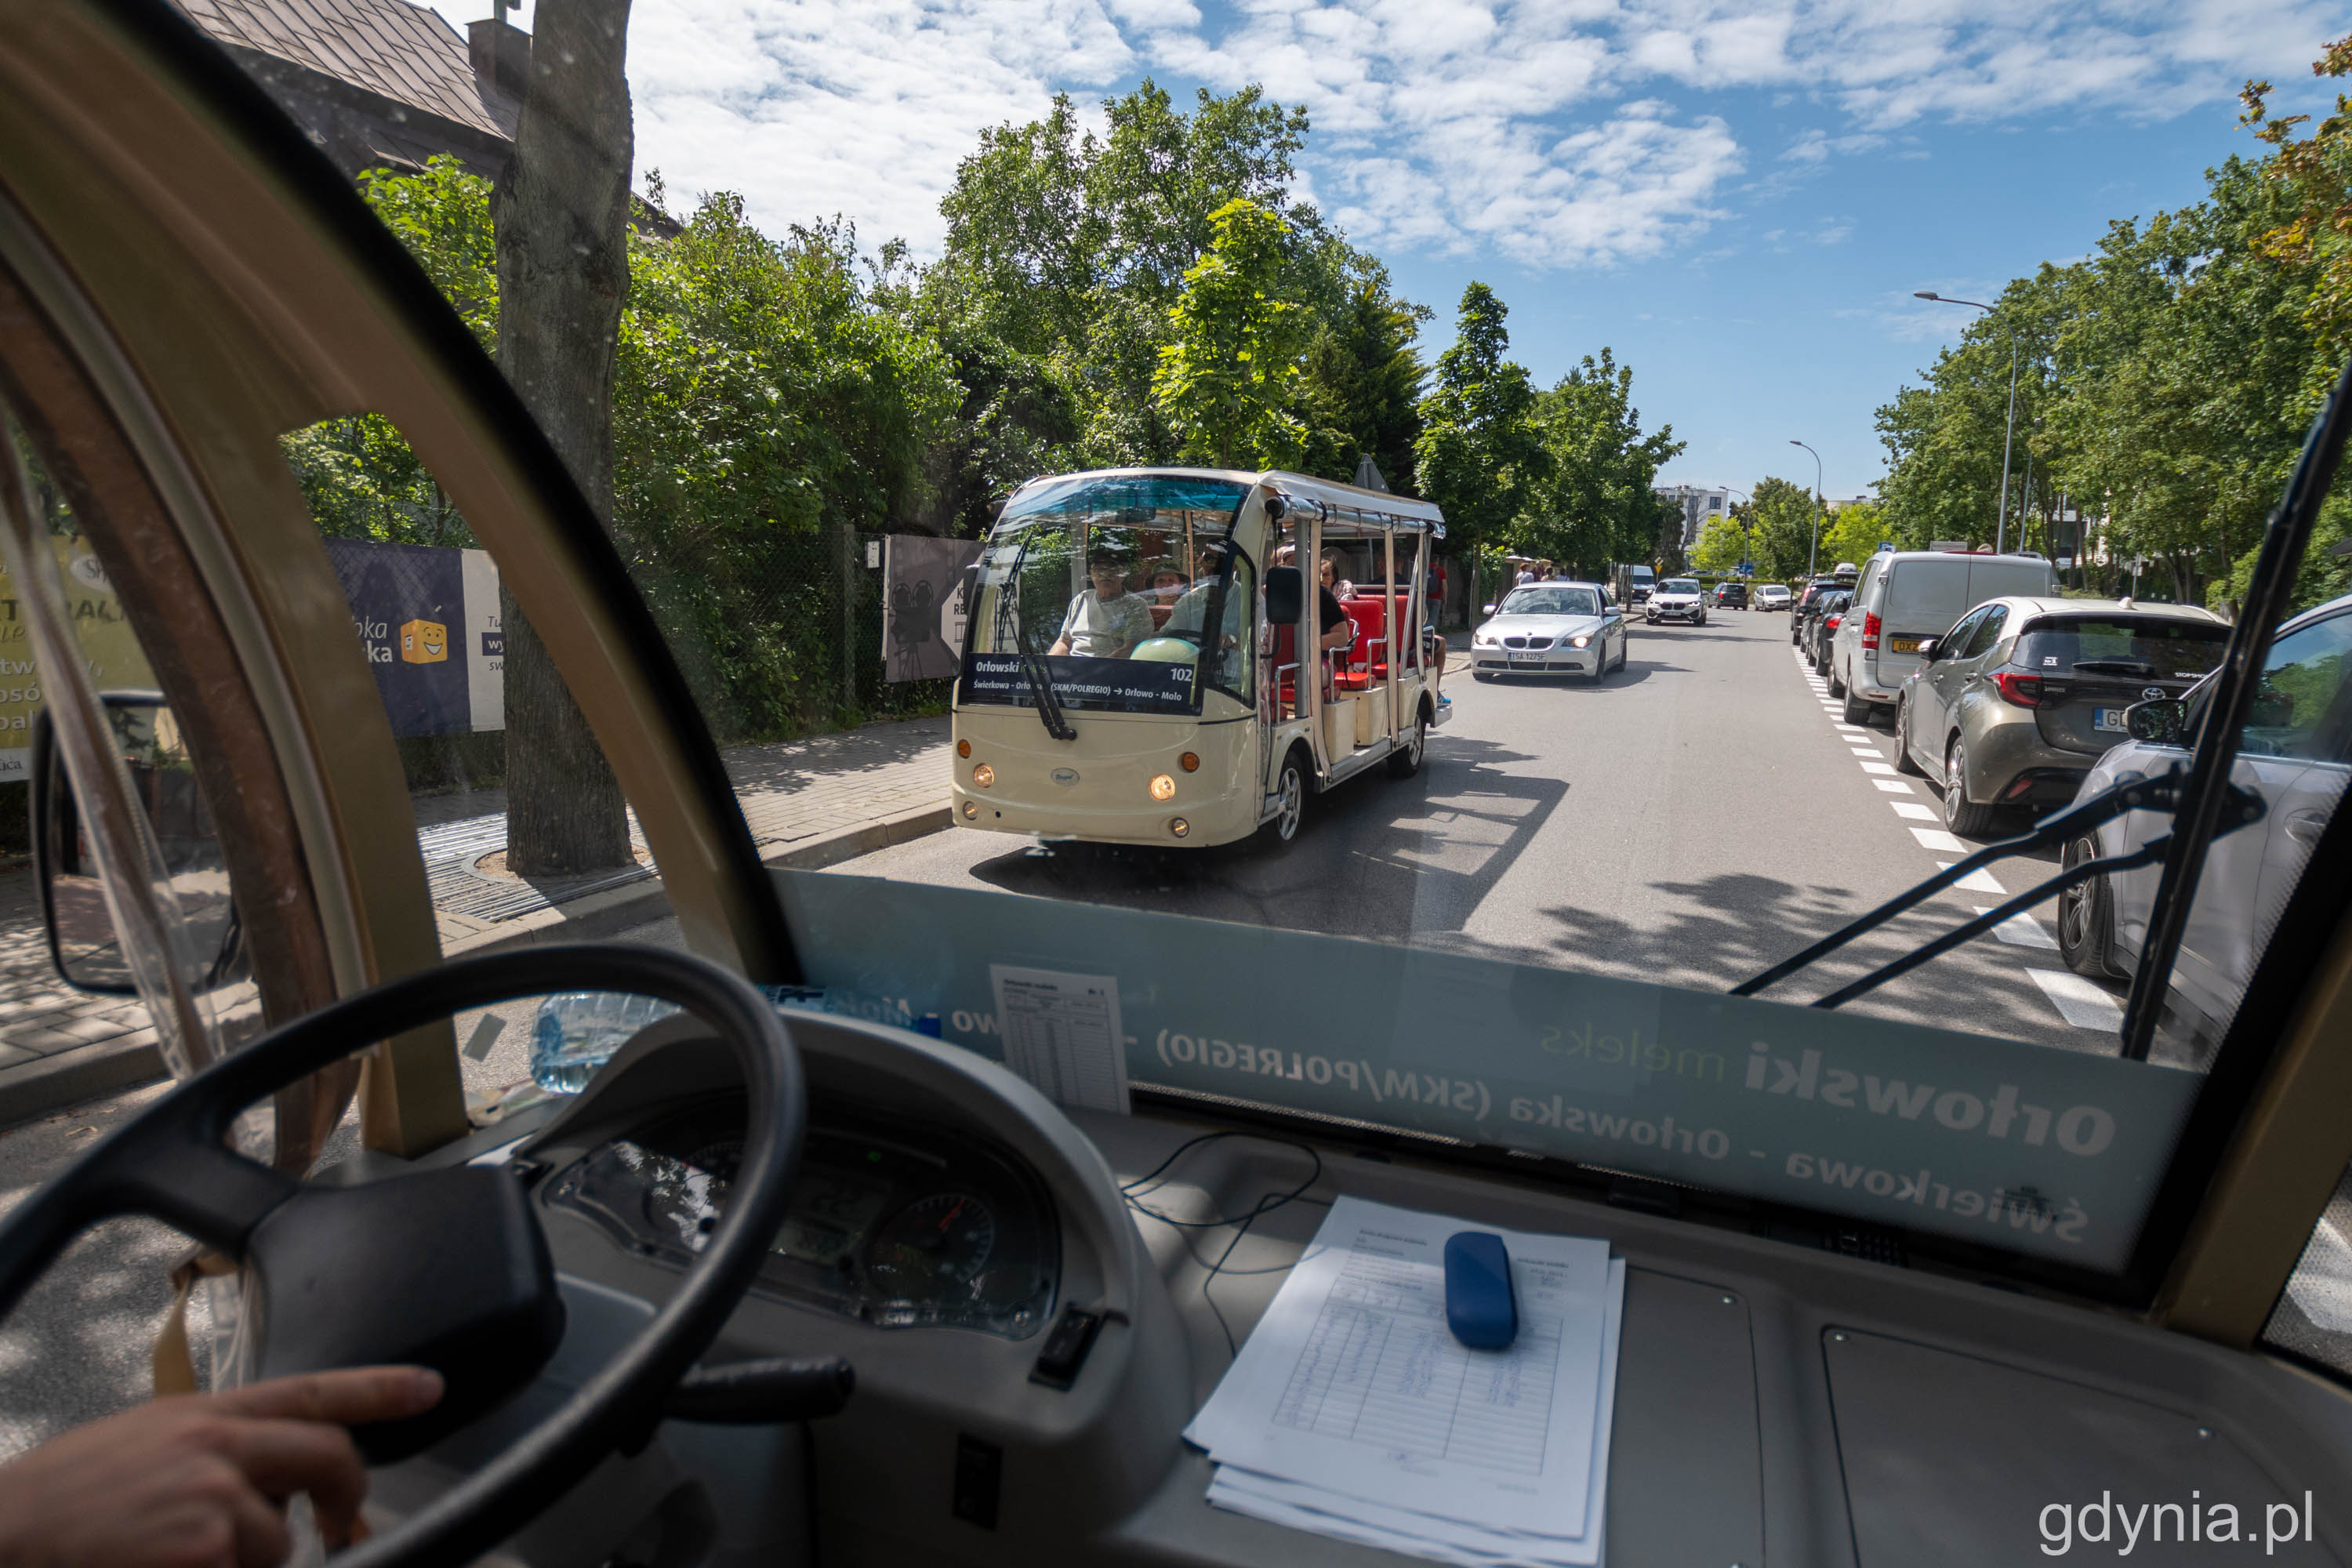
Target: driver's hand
point(200, 1480)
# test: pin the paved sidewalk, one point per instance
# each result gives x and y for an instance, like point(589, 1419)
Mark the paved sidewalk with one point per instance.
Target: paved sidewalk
point(808, 803)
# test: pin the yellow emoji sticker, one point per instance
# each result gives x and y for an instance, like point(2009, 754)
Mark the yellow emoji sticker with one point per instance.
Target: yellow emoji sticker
point(424, 642)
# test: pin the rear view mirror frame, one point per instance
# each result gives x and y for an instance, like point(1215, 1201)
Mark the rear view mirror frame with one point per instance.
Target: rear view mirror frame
point(54, 814)
point(2161, 719)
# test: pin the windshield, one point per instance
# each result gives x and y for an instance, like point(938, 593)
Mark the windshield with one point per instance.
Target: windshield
point(1076, 541)
point(1121, 573)
point(1552, 602)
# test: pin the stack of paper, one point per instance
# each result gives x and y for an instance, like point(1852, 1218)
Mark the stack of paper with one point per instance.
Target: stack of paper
point(1353, 1412)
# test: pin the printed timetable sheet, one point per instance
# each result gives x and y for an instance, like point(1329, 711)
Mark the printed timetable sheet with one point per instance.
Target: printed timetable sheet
point(1352, 1383)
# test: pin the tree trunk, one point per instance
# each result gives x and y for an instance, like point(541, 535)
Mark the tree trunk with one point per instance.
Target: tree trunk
point(560, 211)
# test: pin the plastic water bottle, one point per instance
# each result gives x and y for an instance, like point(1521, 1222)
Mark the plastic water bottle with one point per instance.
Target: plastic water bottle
point(577, 1032)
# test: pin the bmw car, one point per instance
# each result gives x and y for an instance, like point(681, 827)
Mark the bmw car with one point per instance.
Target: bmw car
point(1551, 628)
point(1677, 599)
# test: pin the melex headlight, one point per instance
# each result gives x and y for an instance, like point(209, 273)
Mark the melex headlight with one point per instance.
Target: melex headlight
point(1163, 787)
point(982, 776)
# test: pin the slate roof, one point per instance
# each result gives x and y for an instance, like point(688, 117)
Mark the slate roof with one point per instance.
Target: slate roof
point(399, 51)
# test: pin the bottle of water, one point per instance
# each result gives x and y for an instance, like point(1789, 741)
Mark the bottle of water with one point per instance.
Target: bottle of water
point(577, 1031)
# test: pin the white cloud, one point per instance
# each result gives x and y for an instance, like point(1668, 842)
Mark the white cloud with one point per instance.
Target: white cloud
point(1555, 133)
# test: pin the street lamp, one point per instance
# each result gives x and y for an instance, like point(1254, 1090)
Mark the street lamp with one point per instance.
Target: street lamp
point(1813, 556)
point(2001, 527)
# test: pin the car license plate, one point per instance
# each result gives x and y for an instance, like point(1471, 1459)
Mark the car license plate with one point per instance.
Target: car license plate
point(1527, 658)
point(2110, 719)
point(1903, 644)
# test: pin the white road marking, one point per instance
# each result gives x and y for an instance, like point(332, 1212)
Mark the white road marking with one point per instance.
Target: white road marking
point(1913, 810)
point(1879, 768)
point(1850, 729)
point(1892, 786)
point(1977, 881)
point(2023, 931)
point(1936, 838)
point(2078, 1001)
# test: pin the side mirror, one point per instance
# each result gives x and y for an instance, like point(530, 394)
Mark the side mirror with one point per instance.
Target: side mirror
point(83, 945)
point(2160, 719)
point(1930, 648)
point(1486, 609)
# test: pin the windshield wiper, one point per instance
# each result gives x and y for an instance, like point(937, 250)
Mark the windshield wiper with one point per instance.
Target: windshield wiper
point(2163, 793)
point(1032, 665)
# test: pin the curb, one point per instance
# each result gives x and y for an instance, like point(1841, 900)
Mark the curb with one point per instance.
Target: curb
point(35, 1089)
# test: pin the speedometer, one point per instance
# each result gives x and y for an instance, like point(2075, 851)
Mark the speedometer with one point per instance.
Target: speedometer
point(932, 1245)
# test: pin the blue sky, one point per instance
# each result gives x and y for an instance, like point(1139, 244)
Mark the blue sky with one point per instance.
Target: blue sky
point(1737, 197)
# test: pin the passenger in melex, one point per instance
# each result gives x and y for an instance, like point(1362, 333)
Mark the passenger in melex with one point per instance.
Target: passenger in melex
point(1333, 583)
point(1337, 630)
point(1106, 621)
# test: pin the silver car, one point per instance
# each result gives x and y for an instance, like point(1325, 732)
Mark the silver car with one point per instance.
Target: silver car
point(1551, 628)
point(2295, 753)
point(2018, 700)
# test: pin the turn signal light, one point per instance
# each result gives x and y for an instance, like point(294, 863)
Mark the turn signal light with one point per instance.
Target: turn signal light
point(963, 747)
point(1190, 762)
point(984, 775)
point(1870, 631)
point(1163, 787)
point(2024, 691)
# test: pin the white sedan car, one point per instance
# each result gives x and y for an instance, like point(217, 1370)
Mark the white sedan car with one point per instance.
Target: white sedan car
point(1773, 596)
point(1551, 628)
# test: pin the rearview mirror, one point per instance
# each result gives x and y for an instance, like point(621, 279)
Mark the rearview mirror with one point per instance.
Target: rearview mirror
point(1928, 649)
point(1486, 609)
point(2160, 719)
point(84, 947)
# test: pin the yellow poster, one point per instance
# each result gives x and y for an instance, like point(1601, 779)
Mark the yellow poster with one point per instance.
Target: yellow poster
point(108, 647)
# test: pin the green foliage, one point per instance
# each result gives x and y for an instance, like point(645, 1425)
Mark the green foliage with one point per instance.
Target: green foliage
point(1362, 382)
point(1591, 502)
point(1784, 516)
point(2166, 381)
point(1854, 533)
point(1721, 547)
point(1480, 454)
point(363, 483)
point(1229, 375)
point(442, 214)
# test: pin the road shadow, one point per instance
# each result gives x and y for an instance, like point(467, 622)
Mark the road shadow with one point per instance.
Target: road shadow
point(1378, 858)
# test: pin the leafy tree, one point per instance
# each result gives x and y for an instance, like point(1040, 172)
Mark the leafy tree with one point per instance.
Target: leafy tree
point(1362, 391)
point(1593, 500)
point(1230, 373)
point(1721, 545)
point(1784, 517)
point(1854, 533)
point(1480, 455)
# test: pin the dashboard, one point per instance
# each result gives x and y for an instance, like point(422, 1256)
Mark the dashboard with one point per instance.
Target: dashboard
point(892, 1224)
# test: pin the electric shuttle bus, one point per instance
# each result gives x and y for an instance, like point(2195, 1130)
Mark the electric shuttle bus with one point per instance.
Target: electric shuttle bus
point(1093, 702)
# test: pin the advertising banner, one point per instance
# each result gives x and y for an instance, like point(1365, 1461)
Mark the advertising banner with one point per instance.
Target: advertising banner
point(108, 647)
point(427, 620)
point(2048, 1151)
point(923, 587)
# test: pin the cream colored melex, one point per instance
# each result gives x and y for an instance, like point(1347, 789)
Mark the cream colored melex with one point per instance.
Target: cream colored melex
point(1174, 736)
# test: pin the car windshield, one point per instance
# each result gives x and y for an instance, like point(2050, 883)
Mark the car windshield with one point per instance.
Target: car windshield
point(1069, 505)
point(1551, 602)
point(2143, 646)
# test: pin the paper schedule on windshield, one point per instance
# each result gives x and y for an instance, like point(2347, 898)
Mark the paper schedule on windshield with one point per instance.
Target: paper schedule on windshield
point(1062, 1033)
point(1352, 1385)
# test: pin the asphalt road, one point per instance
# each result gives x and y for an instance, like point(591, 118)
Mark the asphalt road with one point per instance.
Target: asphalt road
point(1690, 820)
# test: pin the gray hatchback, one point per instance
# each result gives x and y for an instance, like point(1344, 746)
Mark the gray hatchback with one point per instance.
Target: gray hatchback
point(2015, 703)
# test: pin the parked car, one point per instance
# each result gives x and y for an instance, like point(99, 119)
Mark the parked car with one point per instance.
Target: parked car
point(2017, 701)
point(2295, 753)
point(1808, 606)
point(1731, 595)
point(1551, 628)
point(1822, 621)
point(1773, 596)
point(1676, 599)
point(1905, 598)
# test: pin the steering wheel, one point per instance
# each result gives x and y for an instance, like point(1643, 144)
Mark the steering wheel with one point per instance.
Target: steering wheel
point(444, 1268)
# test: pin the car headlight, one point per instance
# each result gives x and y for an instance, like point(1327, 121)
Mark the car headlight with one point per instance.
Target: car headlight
point(1480, 639)
point(1578, 642)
